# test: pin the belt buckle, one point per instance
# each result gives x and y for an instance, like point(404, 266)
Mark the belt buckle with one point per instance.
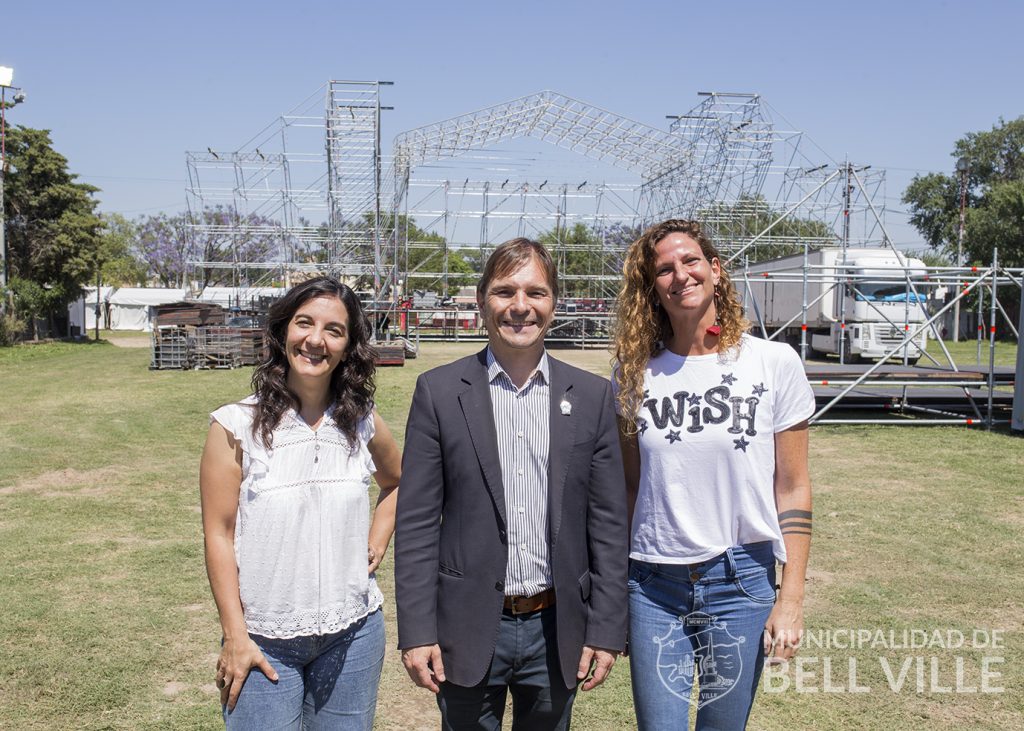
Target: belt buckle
point(514, 601)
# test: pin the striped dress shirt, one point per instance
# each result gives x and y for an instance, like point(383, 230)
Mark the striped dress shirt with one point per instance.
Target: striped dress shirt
point(522, 421)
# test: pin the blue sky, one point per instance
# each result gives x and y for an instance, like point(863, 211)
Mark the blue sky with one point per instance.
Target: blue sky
point(127, 87)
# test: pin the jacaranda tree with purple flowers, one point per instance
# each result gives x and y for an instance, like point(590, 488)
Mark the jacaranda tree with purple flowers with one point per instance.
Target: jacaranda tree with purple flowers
point(216, 235)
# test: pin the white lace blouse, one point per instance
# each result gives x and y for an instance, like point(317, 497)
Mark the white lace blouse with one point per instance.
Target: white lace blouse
point(302, 525)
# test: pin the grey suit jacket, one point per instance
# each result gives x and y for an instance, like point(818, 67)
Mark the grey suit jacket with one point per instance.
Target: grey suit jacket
point(450, 539)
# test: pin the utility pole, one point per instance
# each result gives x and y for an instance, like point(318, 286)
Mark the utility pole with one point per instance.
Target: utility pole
point(6, 78)
point(962, 166)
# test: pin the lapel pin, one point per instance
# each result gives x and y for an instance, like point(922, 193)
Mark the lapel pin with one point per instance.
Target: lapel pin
point(565, 406)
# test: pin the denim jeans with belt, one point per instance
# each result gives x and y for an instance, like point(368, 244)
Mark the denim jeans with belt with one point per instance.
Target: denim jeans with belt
point(699, 621)
point(324, 681)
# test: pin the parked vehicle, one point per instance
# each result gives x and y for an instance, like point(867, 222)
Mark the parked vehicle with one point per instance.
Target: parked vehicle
point(246, 321)
point(859, 303)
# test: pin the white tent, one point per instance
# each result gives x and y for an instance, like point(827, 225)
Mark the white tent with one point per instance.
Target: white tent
point(82, 312)
point(242, 297)
point(131, 308)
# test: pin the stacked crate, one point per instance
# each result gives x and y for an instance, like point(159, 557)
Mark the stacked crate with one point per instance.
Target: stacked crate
point(217, 347)
point(251, 339)
point(189, 313)
point(171, 348)
point(176, 330)
point(386, 354)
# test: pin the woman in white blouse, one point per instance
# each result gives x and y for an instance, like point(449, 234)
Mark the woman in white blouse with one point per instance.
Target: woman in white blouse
point(290, 548)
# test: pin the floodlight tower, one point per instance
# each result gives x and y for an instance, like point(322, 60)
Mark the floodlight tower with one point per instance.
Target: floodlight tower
point(6, 79)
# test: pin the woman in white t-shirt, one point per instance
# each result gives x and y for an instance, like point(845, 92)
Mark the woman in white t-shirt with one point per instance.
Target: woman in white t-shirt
point(290, 548)
point(714, 436)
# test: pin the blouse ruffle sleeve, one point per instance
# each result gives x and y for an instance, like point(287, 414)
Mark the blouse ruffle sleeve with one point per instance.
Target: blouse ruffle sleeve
point(367, 430)
point(237, 419)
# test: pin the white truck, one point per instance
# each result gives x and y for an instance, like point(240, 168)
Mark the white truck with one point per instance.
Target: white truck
point(858, 301)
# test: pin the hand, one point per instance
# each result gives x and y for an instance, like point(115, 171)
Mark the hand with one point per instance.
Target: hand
point(237, 658)
point(373, 557)
point(424, 666)
point(600, 660)
point(783, 631)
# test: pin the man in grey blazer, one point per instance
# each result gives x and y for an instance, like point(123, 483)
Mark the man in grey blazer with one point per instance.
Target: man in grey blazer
point(510, 544)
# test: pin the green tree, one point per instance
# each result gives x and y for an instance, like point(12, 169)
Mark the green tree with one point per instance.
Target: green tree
point(734, 224)
point(116, 252)
point(589, 258)
point(52, 231)
point(994, 197)
point(426, 266)
point(994, 205)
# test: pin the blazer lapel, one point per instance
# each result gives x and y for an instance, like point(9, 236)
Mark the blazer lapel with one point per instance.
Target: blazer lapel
point(563, 436)
point(476, 406)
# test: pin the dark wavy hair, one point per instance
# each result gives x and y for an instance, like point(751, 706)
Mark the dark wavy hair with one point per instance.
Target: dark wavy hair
point(352, 386)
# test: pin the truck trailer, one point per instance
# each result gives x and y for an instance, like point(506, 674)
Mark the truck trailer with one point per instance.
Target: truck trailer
point(858, 302)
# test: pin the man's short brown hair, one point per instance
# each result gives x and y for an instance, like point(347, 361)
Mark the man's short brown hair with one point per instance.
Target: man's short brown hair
point(510, 257)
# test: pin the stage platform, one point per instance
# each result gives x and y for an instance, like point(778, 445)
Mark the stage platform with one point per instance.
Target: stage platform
point(910, 394)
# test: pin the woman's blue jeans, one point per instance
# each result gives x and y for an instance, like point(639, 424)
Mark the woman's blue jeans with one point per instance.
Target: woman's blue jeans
point(324, 681)
point(703, 621)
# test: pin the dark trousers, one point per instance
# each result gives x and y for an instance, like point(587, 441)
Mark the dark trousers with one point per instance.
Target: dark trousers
point(525, 663)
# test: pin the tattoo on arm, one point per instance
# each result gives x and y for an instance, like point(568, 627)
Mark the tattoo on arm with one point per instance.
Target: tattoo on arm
point(795, 522)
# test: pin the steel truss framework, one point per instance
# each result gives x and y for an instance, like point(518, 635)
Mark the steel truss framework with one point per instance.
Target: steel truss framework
point(315, 193)
point(723, 162)
point(473, 214)
point(303, 194)
point(977, 387)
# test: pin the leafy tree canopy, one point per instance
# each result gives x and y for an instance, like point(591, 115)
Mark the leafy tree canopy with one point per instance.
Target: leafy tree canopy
point(52, 232)
point(423, 255)
point(994, 197)
point(734, 224)
point(116, 252)
point(587, 256)
point(166, 244)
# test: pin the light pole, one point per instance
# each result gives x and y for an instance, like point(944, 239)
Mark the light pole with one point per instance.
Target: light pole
point(962, 166)
point(6, 77)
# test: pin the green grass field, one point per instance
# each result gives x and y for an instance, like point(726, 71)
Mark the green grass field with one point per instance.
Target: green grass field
point(107, 620)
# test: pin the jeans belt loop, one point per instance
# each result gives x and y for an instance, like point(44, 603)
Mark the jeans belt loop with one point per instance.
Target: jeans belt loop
point(730, 564)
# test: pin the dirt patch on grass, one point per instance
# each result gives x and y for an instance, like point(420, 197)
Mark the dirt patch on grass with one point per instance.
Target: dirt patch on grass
point(136, 342)
point(412, 709)
point(173, 688)
point(1014, 513)
point(68, 483)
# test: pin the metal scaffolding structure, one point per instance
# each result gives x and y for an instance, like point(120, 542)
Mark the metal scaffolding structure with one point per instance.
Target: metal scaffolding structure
point(581, 219)
point(891, 389)
point(313, 192)
point(301, 196)
point(724, 162)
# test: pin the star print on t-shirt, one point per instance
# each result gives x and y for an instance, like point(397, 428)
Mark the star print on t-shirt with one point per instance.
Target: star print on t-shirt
point(741, 443)
point(760, 390)
point(673, 436)
point(728, 379)
point(694, 399)
point(641, 426)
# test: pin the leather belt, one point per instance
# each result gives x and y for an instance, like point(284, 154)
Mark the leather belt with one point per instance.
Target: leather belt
point(527, 604)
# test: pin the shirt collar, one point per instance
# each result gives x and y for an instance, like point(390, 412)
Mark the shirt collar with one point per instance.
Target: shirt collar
point(494, 368)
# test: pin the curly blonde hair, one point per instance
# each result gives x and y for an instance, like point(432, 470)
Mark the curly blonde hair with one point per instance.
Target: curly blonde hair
point(642, 328)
